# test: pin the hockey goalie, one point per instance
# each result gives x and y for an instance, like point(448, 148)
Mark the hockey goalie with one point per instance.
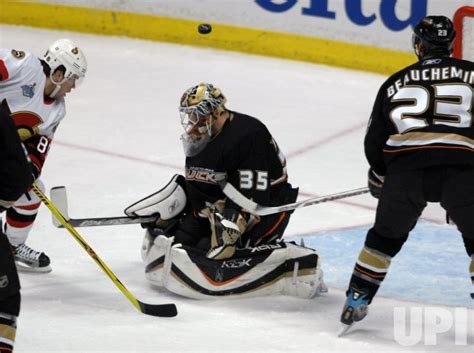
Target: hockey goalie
point(206, 246)
point(269, 268)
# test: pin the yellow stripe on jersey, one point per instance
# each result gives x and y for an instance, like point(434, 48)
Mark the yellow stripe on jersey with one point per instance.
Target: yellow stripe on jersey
point(166, 29)
point(427, 138)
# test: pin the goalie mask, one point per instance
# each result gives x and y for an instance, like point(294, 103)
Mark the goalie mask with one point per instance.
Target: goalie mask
point(65, 53)
point(199, 108)
point(434, 35)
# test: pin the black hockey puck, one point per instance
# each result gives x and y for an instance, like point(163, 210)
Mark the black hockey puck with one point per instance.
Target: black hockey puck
point(204, 28)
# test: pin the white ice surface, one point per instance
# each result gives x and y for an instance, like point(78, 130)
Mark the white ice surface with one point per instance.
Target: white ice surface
point(119, 142)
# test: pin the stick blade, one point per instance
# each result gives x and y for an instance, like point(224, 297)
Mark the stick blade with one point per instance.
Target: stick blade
point(161, 310)
point(59, 198)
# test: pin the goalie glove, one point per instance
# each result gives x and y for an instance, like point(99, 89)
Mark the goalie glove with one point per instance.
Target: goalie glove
point(226, 229)
point(375, 183)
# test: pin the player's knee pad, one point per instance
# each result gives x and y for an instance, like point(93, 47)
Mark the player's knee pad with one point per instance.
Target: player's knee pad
point(168, 202)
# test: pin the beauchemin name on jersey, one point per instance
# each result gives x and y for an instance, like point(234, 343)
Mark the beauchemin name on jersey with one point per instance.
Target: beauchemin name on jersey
point(36, 117)
point(431, 74)
point(422, 117)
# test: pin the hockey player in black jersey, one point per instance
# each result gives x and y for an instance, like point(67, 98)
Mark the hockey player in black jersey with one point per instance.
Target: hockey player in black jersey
point(215, 234)
point(16, 176)
point(222, 144)
point(420, 147)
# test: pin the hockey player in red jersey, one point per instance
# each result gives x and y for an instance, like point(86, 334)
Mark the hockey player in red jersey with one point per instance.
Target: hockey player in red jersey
point(215, 241)
point(32, 92)
point(419, 144)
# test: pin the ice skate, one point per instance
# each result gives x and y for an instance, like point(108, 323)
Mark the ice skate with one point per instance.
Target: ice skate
point(30, 260)
point(355, 309)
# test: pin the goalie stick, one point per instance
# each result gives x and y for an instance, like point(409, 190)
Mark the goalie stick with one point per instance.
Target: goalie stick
point(254, 208)
point(59, 198)
point(163, 310)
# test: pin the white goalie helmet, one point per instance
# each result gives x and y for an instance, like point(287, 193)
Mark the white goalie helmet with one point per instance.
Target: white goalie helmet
point(64, 52)
point(197, 108)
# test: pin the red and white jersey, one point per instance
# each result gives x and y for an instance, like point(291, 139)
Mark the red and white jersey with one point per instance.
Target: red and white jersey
point(36, 117)
point(22, 82)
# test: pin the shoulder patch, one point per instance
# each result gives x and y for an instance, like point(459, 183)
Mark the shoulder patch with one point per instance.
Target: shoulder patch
point(18, 54)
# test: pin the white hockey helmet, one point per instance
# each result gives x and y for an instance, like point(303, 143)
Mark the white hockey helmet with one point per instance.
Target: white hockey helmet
point(64, 52)
point(197, 109)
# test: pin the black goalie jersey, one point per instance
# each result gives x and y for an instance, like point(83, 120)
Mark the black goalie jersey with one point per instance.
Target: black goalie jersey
point(423, 117)
point(246, 154)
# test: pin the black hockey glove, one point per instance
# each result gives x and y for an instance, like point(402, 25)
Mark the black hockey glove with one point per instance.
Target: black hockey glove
point(375, 183)
point(226, 229)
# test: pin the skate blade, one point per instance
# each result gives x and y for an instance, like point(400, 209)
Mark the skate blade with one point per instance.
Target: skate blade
point(343, 330)
point(21, 267)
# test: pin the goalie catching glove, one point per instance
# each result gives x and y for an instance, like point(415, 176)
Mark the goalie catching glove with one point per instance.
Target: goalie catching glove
point(226, 229)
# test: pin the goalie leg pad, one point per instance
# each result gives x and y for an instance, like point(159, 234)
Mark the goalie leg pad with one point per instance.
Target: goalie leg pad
point(252, 272)
point(168, 202)
point(303, 283)
point(156, 256)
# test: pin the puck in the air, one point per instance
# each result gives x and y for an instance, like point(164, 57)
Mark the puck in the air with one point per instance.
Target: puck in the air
point(204, 28)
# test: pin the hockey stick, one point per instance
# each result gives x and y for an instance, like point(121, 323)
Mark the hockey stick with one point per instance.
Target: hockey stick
point(254, 208)
point(59, 198)
point(164, 310)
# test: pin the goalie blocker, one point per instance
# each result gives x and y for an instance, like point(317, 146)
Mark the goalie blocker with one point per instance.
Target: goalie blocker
point(282, 268)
